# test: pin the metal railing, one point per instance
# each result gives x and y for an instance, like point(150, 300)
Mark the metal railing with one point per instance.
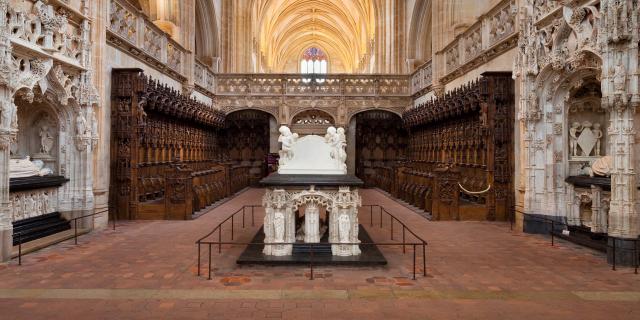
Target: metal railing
point(554, 222)
point(415, 245)
point(75, 231)
point(635, 249)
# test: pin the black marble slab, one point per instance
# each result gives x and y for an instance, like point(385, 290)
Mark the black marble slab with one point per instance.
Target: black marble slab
point(587, 181)
point(32, 183)
point(327, 180)
point(370, 255)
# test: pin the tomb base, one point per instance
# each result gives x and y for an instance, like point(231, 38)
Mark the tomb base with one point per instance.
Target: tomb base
point(322, 254)
point(288, 194)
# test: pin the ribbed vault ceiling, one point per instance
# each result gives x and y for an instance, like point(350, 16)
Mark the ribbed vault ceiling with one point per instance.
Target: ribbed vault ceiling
point(341, 28)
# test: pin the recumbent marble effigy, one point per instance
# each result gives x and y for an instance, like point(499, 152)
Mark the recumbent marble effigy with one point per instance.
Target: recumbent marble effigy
point(312, 175)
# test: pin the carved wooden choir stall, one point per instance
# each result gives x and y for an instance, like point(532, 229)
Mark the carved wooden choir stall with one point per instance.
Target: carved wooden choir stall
point(460, 156)
point(381, 142)
point(166, 159)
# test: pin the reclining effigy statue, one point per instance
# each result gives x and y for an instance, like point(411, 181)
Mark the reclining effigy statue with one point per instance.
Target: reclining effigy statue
point(23, 168)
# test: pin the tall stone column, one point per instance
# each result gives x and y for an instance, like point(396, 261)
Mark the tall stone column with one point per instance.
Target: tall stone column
point(6, 228)
point(620, 95)
point(8, 131)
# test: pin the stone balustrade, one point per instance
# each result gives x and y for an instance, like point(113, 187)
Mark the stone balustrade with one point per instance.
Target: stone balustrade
point(422, 78)
point(364, 85)
point(203, 77)
point(493, 34)
point(132, 31)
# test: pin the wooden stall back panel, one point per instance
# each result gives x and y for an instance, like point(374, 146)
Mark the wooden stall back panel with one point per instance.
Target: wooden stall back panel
point(501, 99)
point(446, 201)
point(179, 198)
point(127, 85)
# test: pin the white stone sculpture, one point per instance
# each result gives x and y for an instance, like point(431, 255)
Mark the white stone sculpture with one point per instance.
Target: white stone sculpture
point(279, 220)
point(312, 154)
point(22, 168)
point(344, 227)
point(46, 139)
point(597, 132)
point(278, 226)
point(8, 115)
point(619, 77)
point(602, 167)
point(585, 139)
point(312, 224)
point(81, 124)
point(287, 139)
point(573, 136)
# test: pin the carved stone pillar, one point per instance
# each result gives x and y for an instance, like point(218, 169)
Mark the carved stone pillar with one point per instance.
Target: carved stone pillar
point(6, 228)
point(8, 130)
point(279, 223)
point(620, 95)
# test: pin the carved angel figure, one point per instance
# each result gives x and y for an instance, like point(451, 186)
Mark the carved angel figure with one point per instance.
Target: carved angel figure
point(597, 132)
point(287, 139)
point(342, 139)
point(81, 124)
point(574, 131)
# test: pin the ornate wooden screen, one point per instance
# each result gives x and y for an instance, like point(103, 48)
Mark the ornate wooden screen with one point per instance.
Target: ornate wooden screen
point(380, 147)
point(460, 146)
point(166, 160)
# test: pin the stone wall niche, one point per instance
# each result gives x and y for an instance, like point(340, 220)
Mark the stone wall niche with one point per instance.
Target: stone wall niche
point(39, 135)
point(586, 126)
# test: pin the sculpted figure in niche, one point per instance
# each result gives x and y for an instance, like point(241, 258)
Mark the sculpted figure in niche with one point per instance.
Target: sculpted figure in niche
point(576, 128)
point(81, 124)
point(8, 115)
point(619, 76)
point(94, 124)
point(46, 139)
point(344, 227)
point(597, 132)
point(278, 226)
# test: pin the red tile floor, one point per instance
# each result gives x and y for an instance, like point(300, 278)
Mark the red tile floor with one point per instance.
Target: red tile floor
point(476, 270)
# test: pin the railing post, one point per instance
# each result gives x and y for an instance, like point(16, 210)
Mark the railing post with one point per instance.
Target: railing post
point(75, 229)
point(232, 226)
point(219, 240)
point(19, 248)
point(380, 216)
point(553, 225)
point(209, 261)
point(391, 219)
point(371, 213)
point(198, 258)
point(404, 246)
point(637, 256)
point(243, 217)
point(311, 262)
point(614, 254)
point(414, 261)
point(115, 217)
point(424, 259)
point(252, 216)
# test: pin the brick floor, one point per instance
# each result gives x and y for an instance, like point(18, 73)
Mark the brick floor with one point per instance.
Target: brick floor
point(476, 270)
